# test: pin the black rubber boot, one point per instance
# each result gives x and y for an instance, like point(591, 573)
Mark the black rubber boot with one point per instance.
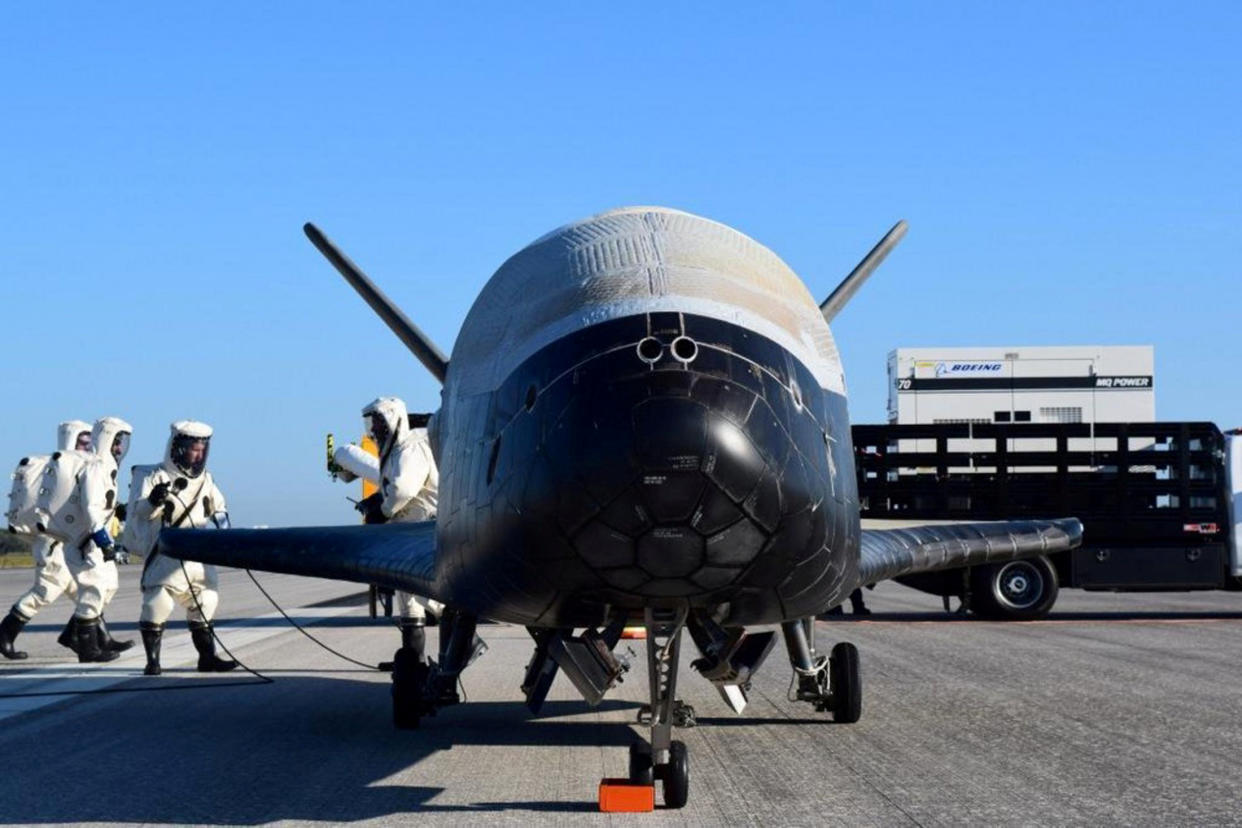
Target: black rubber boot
point(68, 636)
point(208, 661)
point(107, 642)
point(10, 628)
point(856, 603)
point(87, 632)
point(151, 635)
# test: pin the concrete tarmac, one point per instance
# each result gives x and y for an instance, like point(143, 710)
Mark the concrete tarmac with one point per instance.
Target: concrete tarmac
point(1118, 710)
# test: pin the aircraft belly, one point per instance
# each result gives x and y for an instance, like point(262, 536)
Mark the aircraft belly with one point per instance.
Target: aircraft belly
point(661, 460)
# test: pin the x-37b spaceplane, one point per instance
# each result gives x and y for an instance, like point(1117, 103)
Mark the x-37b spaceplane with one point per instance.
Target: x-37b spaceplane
point(643, 422)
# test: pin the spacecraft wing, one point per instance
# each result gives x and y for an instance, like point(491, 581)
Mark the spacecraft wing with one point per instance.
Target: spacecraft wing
point(889, 553)
point(397, 555)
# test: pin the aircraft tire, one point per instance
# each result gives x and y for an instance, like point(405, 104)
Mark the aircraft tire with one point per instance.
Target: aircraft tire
point(403, 717)
point(676, 775)
point(641, 771)
point(1014, 591)
point(409, 675)
point(846, 684)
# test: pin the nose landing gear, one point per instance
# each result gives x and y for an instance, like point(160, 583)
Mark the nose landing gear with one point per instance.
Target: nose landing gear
point(663, 758)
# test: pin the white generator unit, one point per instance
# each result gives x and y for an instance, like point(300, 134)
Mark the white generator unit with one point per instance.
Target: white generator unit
point(1016, 384)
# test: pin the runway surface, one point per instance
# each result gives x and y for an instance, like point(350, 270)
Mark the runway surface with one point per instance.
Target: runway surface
point(1120, 709)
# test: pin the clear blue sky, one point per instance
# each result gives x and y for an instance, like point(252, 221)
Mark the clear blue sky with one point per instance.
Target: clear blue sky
point(1071, 172)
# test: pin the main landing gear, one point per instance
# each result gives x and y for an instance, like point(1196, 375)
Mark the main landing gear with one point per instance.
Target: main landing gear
point(421, 687)
point(830, 683)
point(663, 758)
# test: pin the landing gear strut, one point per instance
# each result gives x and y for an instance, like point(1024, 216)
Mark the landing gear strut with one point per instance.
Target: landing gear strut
point(421, 687)
point(664, 758)
point(830, 683)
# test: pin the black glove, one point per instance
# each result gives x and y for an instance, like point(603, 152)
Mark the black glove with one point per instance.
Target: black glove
point(158, 494)
point(104, 542)
point(371, 510)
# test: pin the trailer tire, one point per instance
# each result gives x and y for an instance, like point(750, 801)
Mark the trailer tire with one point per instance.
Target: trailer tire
point(1015, 590)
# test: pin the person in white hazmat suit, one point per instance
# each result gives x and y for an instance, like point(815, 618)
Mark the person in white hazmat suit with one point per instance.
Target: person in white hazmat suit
point(93, 563)
point(52, 578)
point(178, 493)
point(408, 482)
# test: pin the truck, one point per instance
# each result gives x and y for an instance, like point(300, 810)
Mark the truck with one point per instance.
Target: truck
point(1159, 502)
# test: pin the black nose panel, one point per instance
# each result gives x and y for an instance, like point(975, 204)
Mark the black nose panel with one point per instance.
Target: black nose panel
point(704, 474)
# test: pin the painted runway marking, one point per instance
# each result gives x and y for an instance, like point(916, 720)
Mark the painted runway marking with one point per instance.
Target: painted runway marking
point(1045, 622)
point(177, 651)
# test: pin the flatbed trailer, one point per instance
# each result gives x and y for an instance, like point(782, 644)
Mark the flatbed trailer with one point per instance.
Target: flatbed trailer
point(1157, 503)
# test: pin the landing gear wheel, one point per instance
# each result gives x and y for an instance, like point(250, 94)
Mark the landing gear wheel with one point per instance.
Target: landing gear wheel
point(676, 776)
point(1014, 591)
point(641, 772)
point(409, 678)
point(663, 655)
point(845, 684)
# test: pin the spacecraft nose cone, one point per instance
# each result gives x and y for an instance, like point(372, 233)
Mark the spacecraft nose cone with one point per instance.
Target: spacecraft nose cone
point(665, 465)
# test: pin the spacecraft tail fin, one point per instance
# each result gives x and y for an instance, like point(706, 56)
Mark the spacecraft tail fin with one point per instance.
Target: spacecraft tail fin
point(850, 284)
point(419, 343)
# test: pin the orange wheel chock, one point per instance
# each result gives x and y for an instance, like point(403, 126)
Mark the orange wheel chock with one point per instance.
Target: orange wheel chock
point(621, 796)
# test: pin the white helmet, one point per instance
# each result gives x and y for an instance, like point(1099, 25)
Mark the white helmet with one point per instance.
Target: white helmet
point(70, 433)
point(110, 438)
point(387, 422)
point(179, 457)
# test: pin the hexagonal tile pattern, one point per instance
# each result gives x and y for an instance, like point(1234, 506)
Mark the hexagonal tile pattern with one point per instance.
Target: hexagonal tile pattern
point(670, 552)
point(735, 546)
point(602, 546)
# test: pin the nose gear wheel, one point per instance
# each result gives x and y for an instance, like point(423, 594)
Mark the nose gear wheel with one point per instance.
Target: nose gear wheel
point(663, 758)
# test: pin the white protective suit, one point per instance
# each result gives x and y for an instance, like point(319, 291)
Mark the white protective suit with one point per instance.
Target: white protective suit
point(97, 489)
point(193, 502)
point(408, 481)
point(354, 462)
point(51, 574)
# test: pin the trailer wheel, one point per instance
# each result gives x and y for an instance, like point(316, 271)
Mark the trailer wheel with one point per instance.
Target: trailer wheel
point(1014, 591)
